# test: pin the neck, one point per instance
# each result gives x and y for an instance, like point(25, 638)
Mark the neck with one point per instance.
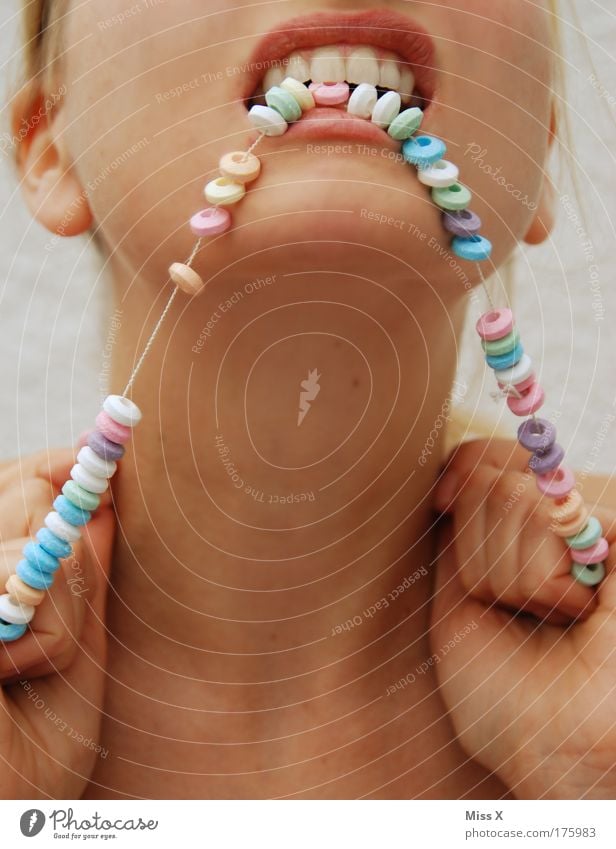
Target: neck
point(253, 545)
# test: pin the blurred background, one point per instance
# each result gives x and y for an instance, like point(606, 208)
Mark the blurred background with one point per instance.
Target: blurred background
point(57, 327)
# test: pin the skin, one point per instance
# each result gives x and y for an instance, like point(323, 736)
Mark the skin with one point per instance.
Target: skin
point(227, 671)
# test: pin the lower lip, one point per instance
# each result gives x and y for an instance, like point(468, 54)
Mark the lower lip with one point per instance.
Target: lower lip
point(330, 122)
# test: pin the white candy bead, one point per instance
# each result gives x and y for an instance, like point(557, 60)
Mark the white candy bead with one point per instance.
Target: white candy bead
point(224, 192)
point(267, 120)
point(93, 483)
point(93, 463)
point(300, 92)
point(441, 175)
point(15, 614)
point(363, 100)
point(517, 373)
point(122, 410)
point(61, 528)
point(386, 109)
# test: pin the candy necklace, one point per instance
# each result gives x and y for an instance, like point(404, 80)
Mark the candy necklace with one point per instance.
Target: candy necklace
point(97, 459)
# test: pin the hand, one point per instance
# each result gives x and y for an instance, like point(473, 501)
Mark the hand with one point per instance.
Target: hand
point(52, 677)
point(529, 677)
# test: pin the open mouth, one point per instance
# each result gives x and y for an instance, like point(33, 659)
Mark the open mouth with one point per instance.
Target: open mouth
point(379, 48)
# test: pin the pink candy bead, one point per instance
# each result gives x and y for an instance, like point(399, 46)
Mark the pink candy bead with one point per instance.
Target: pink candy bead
point(329, 94)
point(112, 430)
point(495, 324)
point(210, 221)
point(532, 399)
point(556, 484)
point(520, 386)
point(593, 554)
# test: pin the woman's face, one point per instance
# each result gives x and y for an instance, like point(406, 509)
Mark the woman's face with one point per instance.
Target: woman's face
point(156, 94)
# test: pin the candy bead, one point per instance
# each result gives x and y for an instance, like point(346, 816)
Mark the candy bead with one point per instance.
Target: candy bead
point(473, 249)
point(516, 374)
point(532, 400)
point(52, 544)
point(61, 528)
point(454, 197)
point(362, 101)
point(542, 462)
point(506, 360)
point(93, 483)
point(463, 223)
point(589, 535)
point(537, 434)
point(423, 150)
point(556, 484)
point(122, 410)
point(33, 576)
point(224, 192)
point(300, 92)
point(15, 614)
point(8, 632)
point(186, 279)
point(593, 554)
point(405, 124)
point(574, 525)
point(329, 94)
point(283, 101)
point(441, 175)
point(80, 497)
point(386, 109)
point(93, 463)
point(71, 514)
point(267, 120)
point(104, 447)
point(22, 593)
point(36, 555)
point(112, 430)
point(570, 507)
point(240, 166)
point(590, 575)
point(501, 346)
point(495, 324)
point(519, 387)
point(210, 221)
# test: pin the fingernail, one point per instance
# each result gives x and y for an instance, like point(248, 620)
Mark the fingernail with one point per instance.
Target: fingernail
point(445, 491)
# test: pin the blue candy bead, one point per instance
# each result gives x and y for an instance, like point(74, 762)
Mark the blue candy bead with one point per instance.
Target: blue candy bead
point(501, 361)
point(53, 544)
point(423, 150)
point(70, 513)
point(34, 577)
point(475, 248)
point(10, 632)
point(39, 558)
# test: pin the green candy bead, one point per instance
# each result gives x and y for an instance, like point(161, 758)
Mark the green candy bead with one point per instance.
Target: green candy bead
point(590, 576)
point(453, 198)
point(80, 497)
point(501, 346)
point(283, 102)
point(589, 535)
point(405, 124)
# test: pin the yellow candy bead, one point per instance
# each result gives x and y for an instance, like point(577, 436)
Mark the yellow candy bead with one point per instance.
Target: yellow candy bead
point(186, 278)
point(569, 508)
point(224, 192)
point(240, 167)
point(574, 525)
point(21, 593)
point(300, 92)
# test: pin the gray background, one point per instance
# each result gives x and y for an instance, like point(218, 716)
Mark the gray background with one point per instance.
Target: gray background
point(56, 319)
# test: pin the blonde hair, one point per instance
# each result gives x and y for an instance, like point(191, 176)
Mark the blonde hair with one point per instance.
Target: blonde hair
point(42, 51)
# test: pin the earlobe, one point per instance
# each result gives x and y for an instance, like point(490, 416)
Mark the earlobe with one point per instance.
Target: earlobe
point(49, 185)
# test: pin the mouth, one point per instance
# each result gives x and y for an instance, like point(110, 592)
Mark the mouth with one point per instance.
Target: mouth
point(380, 48)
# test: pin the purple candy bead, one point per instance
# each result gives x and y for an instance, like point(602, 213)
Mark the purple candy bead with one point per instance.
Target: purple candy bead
point(104, 447)
point(463, 223)
point(541, 463)
point(537, 435)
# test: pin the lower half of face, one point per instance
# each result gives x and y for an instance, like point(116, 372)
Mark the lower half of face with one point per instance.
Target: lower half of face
point(162, 91)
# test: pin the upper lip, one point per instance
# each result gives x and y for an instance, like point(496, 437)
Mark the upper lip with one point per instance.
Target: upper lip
point(378, 27)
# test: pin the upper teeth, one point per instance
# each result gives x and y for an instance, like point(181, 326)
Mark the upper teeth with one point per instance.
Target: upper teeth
point(339, 62)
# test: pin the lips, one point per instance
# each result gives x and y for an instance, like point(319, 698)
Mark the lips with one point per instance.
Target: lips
point(379, 28)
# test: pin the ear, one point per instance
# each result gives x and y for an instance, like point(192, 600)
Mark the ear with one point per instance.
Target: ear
point(543, 222)
point(48, 182)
